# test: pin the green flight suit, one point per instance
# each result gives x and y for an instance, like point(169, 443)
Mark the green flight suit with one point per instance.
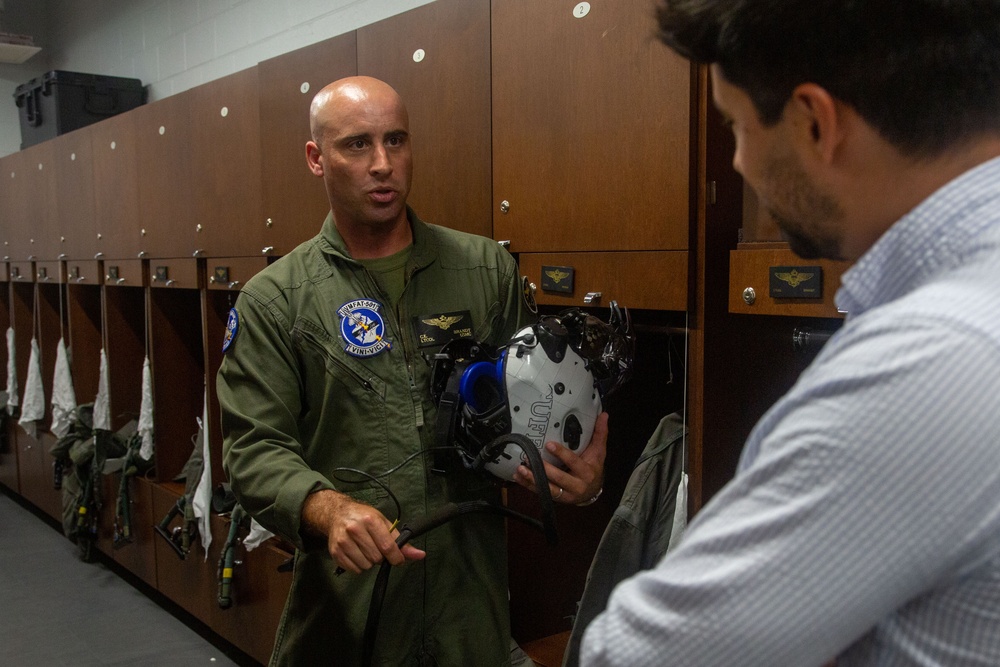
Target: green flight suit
point(311, 381)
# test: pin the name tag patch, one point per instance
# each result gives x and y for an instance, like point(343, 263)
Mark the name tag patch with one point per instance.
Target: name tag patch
point(439, 329)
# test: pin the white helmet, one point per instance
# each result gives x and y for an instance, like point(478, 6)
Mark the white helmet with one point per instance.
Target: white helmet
point(545, 385)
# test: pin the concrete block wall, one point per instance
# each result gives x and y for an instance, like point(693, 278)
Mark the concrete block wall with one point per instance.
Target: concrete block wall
point(170, 45)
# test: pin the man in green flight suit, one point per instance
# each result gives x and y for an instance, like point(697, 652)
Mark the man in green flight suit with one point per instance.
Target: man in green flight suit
point(324, 370)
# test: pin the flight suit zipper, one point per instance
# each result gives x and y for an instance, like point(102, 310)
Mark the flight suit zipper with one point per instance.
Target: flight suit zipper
point(403, 316)
point(397, 316)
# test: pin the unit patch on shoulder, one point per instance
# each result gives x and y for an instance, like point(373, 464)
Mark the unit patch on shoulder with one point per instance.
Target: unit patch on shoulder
point(441, 328)
point(232, 328)
point(362, 328)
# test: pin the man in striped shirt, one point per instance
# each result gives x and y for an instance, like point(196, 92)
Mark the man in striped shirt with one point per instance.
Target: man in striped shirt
point(863, 524)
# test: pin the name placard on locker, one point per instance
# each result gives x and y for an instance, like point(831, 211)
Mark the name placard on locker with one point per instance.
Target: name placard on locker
point(558, 279)
point(796, 282)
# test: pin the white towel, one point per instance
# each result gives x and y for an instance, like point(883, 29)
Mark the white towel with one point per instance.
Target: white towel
point(63, 396)
point(33, 403)
point(145, 426)
point(258, 535)
point(12, 388)
point(202, 501)
point(102, 406)
point(680, 512)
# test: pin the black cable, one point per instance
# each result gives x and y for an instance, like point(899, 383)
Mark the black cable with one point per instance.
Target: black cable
point(493, 449)
point(388, 472)
point(377, 478)
point(411, 530)
point(449, 511)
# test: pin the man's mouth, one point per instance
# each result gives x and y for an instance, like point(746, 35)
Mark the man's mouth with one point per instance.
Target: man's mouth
point(383, 195)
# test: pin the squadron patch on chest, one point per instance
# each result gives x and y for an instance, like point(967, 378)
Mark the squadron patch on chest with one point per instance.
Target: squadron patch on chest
point(362, 328)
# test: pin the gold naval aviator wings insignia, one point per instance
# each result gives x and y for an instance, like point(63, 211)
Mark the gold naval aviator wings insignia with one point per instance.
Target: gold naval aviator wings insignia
point(443, 322)
point(557, 275)
point(793, 277)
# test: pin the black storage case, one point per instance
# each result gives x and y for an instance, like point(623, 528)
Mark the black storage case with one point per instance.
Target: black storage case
point(59, 102)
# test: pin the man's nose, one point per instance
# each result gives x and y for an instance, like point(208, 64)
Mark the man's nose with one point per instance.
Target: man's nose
point(380, 160)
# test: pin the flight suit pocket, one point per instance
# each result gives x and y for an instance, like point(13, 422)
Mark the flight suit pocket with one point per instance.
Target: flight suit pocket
point(316, 343)
point(344, 411)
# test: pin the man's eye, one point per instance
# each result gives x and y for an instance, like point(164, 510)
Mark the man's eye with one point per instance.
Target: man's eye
point(357, 144)
point(394, 141)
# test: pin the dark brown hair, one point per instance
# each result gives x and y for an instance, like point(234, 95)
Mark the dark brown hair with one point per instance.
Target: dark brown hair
point(924, 73)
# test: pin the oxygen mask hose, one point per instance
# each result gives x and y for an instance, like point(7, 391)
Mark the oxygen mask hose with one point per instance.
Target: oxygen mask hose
point(493, 449)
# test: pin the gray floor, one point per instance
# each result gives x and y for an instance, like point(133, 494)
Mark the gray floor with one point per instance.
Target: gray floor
point(56, 610)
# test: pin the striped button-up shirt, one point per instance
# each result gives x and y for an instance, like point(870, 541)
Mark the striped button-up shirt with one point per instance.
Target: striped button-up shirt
point(864, 520)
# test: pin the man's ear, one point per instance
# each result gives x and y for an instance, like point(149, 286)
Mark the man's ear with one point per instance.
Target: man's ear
point(819, 117)
point(312, 158)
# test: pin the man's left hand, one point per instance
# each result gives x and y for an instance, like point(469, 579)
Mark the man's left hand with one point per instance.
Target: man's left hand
point(583, 477)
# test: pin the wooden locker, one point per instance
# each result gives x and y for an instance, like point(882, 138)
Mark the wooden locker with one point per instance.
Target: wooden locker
point(75, 234)
point(117, 223)
point(139, 557)
point(30, 187)
point(294, 201)
point(437, 57)
point(591, 129)
point(225, 155)
point(166, 179)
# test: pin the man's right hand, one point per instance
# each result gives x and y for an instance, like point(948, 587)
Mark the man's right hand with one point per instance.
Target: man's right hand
point(358, 535)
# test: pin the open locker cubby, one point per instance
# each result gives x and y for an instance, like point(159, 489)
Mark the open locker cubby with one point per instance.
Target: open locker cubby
point(34, 461)
point(177, 360)
point(258, 588)
point(22, 306)
point(217, 305)
point(125, 319)
point(190, 581)
point(82, 306)
point(178, 370)
point(655, 389)
point(83, 340)
point(8, 450)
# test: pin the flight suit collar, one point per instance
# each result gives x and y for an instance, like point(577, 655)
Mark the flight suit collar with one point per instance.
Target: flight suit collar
point(424, 247)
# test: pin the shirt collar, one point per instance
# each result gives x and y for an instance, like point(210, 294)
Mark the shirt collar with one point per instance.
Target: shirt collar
point(934, 236)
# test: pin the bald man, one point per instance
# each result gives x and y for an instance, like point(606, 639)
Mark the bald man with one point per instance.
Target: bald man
point(324, 371)
point(361, 149)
